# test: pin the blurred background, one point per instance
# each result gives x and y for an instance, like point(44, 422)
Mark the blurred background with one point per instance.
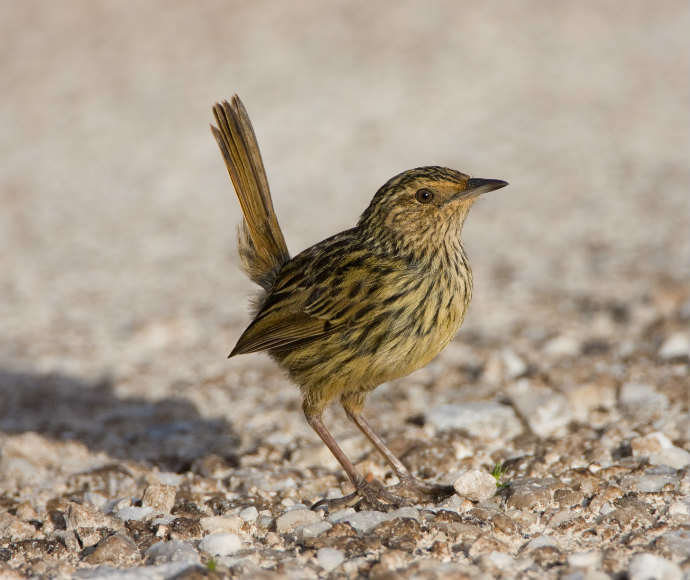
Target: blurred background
point(118, 220)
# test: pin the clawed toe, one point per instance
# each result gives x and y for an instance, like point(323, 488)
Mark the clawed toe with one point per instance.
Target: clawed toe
point(370, 494)
point(422, 489)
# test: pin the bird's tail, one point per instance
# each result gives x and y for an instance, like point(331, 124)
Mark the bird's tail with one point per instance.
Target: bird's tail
point(261, 243)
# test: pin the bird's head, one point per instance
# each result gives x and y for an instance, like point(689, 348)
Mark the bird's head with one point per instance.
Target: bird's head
point(427, 204)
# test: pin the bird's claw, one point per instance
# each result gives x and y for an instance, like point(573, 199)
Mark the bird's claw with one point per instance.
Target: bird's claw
point(370, 494)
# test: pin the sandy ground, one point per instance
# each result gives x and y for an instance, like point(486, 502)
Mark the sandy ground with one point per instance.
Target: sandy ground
point(121, 294)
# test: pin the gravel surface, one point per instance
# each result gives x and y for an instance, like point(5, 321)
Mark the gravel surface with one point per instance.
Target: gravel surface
point(130, 448)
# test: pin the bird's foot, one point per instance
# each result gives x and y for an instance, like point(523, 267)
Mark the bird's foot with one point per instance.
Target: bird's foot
point(370, 494)
point(422, 490)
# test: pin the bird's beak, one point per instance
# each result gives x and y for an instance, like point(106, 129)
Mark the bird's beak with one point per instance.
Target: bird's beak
point(476, 187)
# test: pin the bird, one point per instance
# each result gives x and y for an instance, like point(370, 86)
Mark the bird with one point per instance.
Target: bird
point(363, 307)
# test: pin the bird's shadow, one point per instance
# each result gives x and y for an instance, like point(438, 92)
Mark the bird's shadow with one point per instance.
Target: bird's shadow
point(170, 434)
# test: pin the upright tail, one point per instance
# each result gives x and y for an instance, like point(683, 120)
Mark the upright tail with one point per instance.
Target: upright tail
point(261, 244)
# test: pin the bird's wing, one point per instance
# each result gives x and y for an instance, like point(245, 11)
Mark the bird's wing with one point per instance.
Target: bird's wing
point(319, 294)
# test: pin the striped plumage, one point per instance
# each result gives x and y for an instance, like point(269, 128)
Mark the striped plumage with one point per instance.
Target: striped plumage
point(370, 304)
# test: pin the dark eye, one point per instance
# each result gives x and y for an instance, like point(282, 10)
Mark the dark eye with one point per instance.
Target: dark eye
point(424, 195)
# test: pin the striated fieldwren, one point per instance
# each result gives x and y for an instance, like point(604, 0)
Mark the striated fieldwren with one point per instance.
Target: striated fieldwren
point(365, 306)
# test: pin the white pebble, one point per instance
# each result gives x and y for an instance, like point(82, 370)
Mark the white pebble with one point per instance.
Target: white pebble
point(514, 366)
point(678, 508)
point(585, 559)
point(292, 519)
point(329, 558)
point(651, 567)
point(673, 457)
point(312, 530)
point(134, 513)
point(475, 485)
point(220, 544)
point(562, 346)
point(641, 395)
point(542, 541)
point(249, 514)
point(363, 521)
point(676, 346)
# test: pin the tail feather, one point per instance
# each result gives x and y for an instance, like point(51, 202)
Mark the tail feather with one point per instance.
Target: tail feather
point(261, 243)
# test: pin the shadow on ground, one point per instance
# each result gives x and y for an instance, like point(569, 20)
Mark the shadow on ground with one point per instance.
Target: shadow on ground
point(169, 434)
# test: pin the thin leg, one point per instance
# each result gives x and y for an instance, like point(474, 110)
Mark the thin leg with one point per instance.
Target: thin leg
point(354, 475)
point(372, 492)
point(407, 480)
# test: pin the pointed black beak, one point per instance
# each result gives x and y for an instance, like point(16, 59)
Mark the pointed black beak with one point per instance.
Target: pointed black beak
point(477, 186)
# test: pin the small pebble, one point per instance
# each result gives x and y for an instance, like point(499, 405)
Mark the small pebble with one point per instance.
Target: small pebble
point(312, 530)
point(220, 544)
point(585, 559)
point(562, 346)
point(295, 518)
point(475, 485)
point(134, 513)
point(676, 346)
point(249, 514)
point(514, 366)
point(160, 497)
point(541, 541)
point(363, 521)
point(652, 567)
point(172, 551)
point(640, 396)
point(674, 457)
point(329, 558)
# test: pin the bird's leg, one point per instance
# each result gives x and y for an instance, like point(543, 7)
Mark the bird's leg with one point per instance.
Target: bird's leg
point(371, 492)
point(407, 481)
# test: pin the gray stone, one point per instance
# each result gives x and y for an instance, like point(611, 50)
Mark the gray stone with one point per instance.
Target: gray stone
point(84, 516)
point(172, 551)
point(541, 542)
point(636, 396)
point(674, 544)
point(532, 493)
point(406, 512)
point(157, 572)
point(312, 530)
point(649, 482)
point(118, 549)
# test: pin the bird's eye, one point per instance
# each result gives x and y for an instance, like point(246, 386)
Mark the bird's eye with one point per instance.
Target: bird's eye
point(424, 195)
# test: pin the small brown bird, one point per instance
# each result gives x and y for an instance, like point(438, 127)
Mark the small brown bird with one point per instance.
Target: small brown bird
point(365, 306)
